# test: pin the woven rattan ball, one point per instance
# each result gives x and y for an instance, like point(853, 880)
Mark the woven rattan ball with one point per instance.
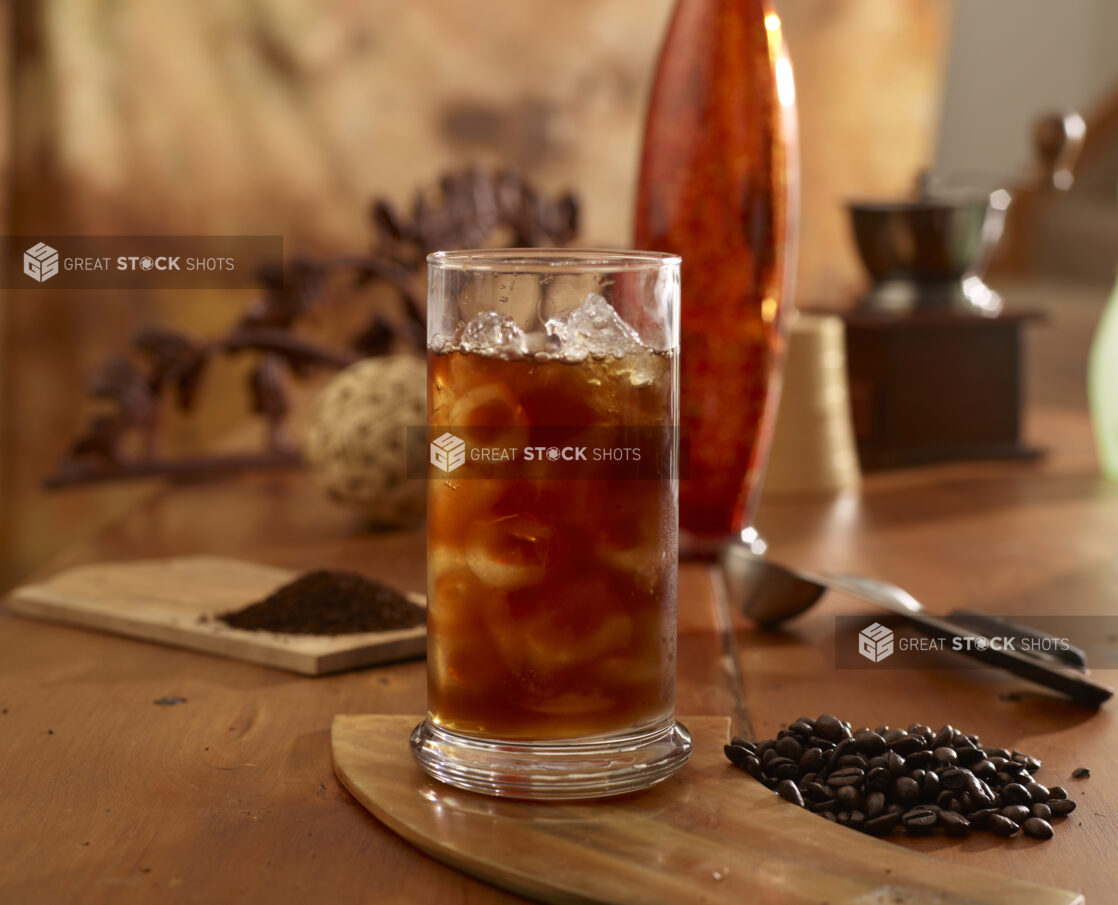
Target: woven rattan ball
point(357, 439)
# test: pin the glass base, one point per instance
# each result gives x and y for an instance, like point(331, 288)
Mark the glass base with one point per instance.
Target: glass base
point(584, 768)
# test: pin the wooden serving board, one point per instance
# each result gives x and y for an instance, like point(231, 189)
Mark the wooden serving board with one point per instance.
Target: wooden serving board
point(174, 601)
point(709, 834)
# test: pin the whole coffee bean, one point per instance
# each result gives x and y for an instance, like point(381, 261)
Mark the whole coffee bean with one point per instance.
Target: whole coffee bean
point(894, 763)
point(979, 788)
point(905, 790)
point(830, 728)
point(921, 758)
point(1038, 793)
point(811, 759)
point(873, 780)
point(929, 787)
point(869, 742)
point(1037, 828)
point(984, 769)
point(878, 779)
point(955, 778)
point(1061, 807)
point(803, 727)
point(906, 745)
point(921, 730)
point(1003, 826)
point(847, 776)
point(954, 824)
point(787, 790)
point(789, 747)
point(967, 757)
point(920, 819)
point(883, 824)
point(1081, 773)
point(737, 754)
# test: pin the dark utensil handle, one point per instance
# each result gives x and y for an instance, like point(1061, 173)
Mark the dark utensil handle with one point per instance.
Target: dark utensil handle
point(1047, 646)
point(1076, 687)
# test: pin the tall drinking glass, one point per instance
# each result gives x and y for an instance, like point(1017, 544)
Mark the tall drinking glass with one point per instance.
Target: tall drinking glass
point(552, 522)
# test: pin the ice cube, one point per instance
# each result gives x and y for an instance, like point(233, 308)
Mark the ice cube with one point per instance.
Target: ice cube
point(491, 333)
point(593, 328)
point(510, 551)
point(541, 344)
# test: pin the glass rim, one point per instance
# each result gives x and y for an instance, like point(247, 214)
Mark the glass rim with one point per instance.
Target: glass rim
point(552, 260)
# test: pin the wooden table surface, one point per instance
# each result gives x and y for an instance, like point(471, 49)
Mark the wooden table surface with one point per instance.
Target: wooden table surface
point(230, 797)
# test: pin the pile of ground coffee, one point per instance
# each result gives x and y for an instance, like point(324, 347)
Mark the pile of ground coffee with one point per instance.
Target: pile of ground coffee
point(328, 602)
point(916, 779)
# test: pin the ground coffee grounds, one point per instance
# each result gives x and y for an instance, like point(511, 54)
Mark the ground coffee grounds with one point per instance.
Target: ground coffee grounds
point(328, 602)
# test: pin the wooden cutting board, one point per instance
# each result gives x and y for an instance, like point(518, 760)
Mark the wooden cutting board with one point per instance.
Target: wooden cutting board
point(710, 834)
point(174, 601)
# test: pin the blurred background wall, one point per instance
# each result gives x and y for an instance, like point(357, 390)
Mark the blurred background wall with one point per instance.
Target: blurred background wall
point(1010, 60)
point(288, 116)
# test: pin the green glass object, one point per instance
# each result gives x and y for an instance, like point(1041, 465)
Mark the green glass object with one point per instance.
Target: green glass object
point(1102, 387)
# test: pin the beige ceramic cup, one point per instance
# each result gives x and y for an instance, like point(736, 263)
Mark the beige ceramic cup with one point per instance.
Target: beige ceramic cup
point(813, 450)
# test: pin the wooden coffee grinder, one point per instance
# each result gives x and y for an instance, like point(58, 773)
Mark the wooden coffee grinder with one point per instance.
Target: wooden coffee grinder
point(935, 360)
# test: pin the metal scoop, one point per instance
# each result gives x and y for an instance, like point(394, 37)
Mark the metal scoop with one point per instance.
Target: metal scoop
point(770, 593)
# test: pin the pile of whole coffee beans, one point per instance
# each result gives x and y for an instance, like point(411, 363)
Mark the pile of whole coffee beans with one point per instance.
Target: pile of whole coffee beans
point(915, 779)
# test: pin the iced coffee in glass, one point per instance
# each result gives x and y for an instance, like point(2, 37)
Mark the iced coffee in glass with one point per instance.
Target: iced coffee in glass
point(552, 522)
